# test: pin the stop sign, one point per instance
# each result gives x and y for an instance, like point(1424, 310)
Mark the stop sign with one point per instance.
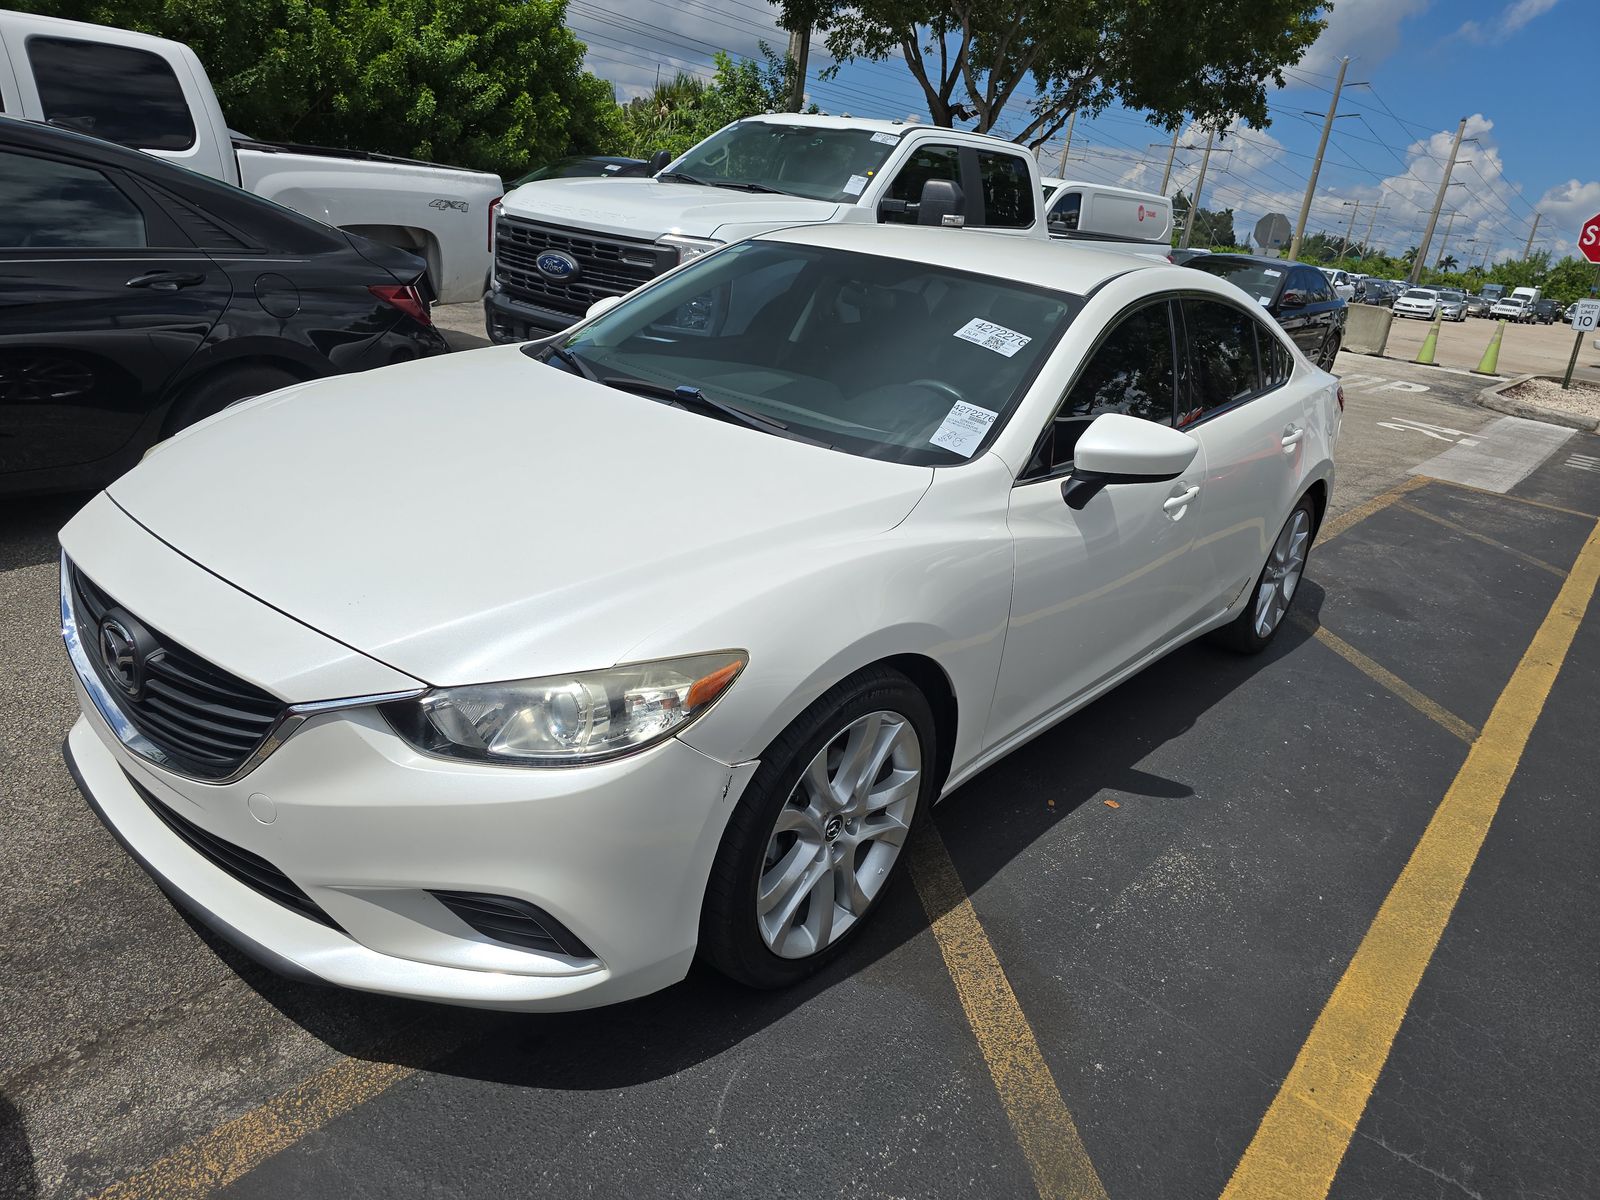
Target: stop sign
point(1589, 239)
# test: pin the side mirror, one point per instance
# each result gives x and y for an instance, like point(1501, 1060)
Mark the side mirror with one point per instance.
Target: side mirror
point(1293, 298)
point(1122, 449)
point(942, 203)
point(604, 304)
point(659, 161)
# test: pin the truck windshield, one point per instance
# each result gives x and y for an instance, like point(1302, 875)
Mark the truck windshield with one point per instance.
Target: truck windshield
point(799, 160)
point(901, 361)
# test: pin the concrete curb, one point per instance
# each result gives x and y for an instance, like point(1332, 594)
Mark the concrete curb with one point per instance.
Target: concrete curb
point(1490, 397)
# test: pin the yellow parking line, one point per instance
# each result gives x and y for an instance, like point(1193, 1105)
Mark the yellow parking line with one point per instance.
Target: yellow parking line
point(1033, 1104)
point(234, 1148)
point(1307, 1129)
point(1387, 679)
point(1480, 537)
point(1334, 526)
point(1467, 487)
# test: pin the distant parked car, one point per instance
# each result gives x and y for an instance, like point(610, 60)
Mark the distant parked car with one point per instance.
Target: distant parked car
point(1452, 304)
point(580, 166)
point(1298, 297)
point(1180, 257)
point(1479, 306)
point(140, 297)
point(1418, 302)
point(1545, 312)
point(1340, 281)
point(1512, 308)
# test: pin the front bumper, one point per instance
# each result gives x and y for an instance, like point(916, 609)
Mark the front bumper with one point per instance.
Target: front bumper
point(507, 320)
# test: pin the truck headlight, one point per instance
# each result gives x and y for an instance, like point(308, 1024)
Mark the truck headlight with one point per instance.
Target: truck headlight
point(689, 248)
point(564, 720)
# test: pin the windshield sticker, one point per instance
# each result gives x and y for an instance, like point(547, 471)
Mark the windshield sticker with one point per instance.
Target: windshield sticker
point(1264, 302)
point(993, 337)
point(855, 185)
point(963, 428)
point(886, 139)
point(1271, 274)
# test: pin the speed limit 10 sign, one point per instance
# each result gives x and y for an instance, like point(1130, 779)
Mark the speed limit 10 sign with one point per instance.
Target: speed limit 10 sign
point(1589, 239)
point(1586, 315)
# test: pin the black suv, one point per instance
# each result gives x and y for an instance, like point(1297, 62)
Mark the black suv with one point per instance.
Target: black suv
point(1299, 298)
point(137, 297)
point(1546, 312)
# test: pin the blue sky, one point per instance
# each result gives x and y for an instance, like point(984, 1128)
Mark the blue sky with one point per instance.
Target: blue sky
point(1515, 68)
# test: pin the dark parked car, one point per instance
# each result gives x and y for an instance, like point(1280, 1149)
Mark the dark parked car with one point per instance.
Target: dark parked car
point(137, 297)
point(1546, 312)
point(1299, 297)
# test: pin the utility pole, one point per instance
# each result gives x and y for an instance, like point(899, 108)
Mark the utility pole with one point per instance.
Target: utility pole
point(1438, 202)
point(1061, 163)
point(1166, 175)
point(799, 49)
point(1194, 200)
point(1366, 243)
point(1316, 165)
point(1527, 252)
point(1355, 210)
point(1445, 241)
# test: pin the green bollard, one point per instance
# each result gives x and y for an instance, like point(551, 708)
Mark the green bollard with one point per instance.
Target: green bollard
point(1490, 362)
point(1429, 344)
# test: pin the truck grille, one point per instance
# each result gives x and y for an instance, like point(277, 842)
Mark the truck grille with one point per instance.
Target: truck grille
point(204, 720)
point(606, 266)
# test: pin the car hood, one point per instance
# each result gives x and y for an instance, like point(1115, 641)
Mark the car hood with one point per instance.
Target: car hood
point(636, 208)
point(483, 516)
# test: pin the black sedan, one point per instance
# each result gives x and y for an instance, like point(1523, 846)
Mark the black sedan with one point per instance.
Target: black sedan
point(1299, 297)
point(137, 297)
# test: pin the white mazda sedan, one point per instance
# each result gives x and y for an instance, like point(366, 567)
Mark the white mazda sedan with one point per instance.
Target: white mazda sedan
point(518, 678)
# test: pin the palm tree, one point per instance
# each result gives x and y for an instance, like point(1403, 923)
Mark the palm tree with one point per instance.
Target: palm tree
point(1447, 263)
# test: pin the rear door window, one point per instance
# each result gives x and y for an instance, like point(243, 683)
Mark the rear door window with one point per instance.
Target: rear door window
point(118, 93)
point(46, 205)
point(1221, 359)
point(1007, 190)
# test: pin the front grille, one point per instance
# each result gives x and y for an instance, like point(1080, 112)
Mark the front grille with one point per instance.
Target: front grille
point(249, 869)
point(514, 922)
point(606, 266)
point(205, 721)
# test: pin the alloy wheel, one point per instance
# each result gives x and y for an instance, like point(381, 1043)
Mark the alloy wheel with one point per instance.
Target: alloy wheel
point(838, 834)
point(1282, 576)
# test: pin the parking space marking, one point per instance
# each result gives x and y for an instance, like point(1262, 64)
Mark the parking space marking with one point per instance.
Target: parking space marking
point(1467, 487)
point(234, 1148)
point(1334, 526)
point(1506, 451)
point(1038, 1115)
point(1457, 527)
point(1302, 1139)
point(1388, 680)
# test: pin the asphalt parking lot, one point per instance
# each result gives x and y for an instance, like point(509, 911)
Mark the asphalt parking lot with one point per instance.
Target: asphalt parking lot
point(1243, 927)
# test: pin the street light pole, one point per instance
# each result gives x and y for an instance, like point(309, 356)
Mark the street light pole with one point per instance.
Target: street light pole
point(1438, 203)
point(1194, 200)
point(1355, 210)
point(1316, 165)
point(1527, 251)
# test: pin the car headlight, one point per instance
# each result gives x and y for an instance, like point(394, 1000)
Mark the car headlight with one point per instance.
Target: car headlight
point(689, 248)
point(562, 720)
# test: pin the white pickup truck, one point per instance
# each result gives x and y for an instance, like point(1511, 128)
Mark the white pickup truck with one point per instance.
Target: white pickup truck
point(154, 95)
point(563, 244)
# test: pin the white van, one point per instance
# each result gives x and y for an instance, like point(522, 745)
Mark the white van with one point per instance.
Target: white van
point(1111, 218)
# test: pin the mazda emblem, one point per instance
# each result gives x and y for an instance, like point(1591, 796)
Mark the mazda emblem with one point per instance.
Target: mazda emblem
point(119, 653)
point(556, 265)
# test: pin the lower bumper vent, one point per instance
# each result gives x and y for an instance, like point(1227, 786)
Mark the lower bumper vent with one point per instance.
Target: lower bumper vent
point(514, 922)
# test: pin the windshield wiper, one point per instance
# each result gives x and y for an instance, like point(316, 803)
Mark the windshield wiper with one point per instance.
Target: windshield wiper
point(571, 360)
point(693, 398)
point(753, 187)
point(680, 177)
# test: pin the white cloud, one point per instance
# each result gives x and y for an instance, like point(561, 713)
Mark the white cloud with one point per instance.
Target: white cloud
point(1512, 18)
point(1566, 207)
point(1367, 30)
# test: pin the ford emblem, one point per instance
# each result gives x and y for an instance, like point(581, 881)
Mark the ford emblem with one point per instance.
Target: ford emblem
point(553, 264)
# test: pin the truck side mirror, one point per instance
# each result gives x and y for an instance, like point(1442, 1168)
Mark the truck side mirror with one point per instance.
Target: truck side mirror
point(941, 203)
point(659, 161)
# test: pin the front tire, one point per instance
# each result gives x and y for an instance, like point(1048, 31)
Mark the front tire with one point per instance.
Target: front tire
point(1330, 351)
point(818, 835)
point(1252, 630)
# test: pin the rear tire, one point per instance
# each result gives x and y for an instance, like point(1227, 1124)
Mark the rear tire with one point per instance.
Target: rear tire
point(1330, 351)
point(1252, 630)
point(212, 393)
point(800, 868)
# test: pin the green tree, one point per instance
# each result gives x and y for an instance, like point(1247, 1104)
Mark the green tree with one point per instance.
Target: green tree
point(1447, 263)
point(686, 110)
point(1571, 279)
point(1213, 230)
point(494, 84)
point(1174, 58)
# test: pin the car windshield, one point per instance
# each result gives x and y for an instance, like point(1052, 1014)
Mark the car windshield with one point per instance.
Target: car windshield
point(901, 361)
point(1259, 279)
point(1452, 296)
point(800, 160)
point(1420, 294)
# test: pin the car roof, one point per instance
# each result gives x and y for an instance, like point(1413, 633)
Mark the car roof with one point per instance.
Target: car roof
point(1262, 259)
point(1057, 265)
point(872, 125)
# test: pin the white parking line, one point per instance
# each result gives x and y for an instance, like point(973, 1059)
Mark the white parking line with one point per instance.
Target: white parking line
point(1583, 462)
point(1503, 454)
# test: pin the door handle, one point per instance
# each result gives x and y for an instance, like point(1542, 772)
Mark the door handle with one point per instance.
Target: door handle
point(1291, 436)
point(1176, 504)
point(166, 281)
